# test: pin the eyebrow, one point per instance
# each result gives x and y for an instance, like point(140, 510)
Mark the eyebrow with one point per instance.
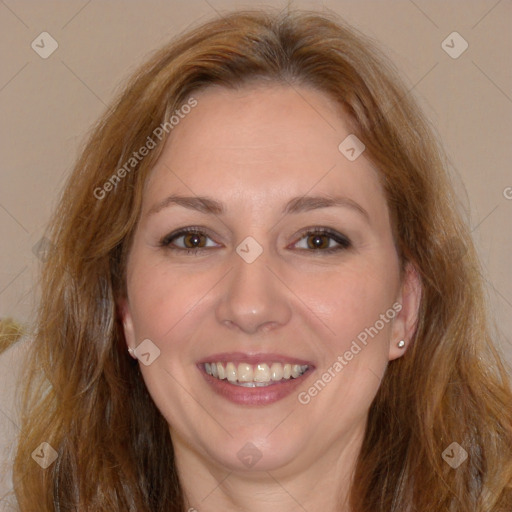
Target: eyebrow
point(295, 205)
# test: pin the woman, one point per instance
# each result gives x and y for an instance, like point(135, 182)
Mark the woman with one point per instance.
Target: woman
point(262, 296)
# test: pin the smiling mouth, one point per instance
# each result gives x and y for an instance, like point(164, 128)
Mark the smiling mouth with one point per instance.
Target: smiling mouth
point(252, 376)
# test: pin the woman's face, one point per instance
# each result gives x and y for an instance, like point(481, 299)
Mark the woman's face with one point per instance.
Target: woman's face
point(300, 323)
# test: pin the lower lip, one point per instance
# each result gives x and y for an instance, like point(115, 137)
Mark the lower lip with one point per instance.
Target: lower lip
point(263, 395)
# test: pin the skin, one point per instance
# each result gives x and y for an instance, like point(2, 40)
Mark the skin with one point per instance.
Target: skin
point(253, 150)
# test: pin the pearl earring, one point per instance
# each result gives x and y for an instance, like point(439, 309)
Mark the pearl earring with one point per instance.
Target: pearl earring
point(401, 344)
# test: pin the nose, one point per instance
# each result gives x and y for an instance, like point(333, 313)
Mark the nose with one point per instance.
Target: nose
point(253, 299)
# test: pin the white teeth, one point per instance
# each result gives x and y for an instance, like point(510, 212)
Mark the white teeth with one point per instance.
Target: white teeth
point(296, 371)
point(262, 373)
point(221, 372)
point(276, 371)
point(258, 375)
point(231, 372)
point(245, 372)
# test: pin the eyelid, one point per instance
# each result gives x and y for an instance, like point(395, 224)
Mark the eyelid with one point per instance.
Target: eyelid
point(166, 240)
point(342, 240)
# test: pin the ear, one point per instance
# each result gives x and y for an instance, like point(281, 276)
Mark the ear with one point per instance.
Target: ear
point(405, 322)
point(126, 318)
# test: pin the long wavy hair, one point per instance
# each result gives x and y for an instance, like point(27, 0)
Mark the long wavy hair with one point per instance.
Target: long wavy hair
point(84, 394)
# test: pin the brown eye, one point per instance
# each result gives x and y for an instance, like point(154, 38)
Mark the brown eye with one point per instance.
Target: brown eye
point(321, 240)
point(318, 241)
point(193, 240)
point(190, 240)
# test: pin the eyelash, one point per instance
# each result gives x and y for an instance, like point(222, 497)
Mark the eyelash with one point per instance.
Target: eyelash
point(343, 241)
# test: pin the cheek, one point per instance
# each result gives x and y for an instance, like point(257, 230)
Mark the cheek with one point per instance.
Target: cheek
point(175, 310)
point(357, 307)
point(350, 304)
point(163, 305)
point(161, 299)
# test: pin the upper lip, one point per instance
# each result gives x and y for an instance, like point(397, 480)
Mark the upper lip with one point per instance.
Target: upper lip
point(254, 358)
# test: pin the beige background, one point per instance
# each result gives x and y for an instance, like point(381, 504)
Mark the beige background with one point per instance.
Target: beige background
point(48, 105)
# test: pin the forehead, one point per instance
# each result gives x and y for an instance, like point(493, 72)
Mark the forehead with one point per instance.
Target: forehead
point(263, 143)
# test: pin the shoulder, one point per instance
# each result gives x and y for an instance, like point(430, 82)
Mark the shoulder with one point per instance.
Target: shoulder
point(12, 362)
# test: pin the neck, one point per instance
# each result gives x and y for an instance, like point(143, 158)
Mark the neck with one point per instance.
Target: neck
point(323, 485)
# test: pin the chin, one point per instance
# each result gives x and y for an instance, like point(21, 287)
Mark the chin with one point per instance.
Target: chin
point(256, 452)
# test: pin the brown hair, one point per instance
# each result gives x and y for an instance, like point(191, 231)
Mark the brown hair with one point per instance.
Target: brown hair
point(86, 397)
point(10, 332)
